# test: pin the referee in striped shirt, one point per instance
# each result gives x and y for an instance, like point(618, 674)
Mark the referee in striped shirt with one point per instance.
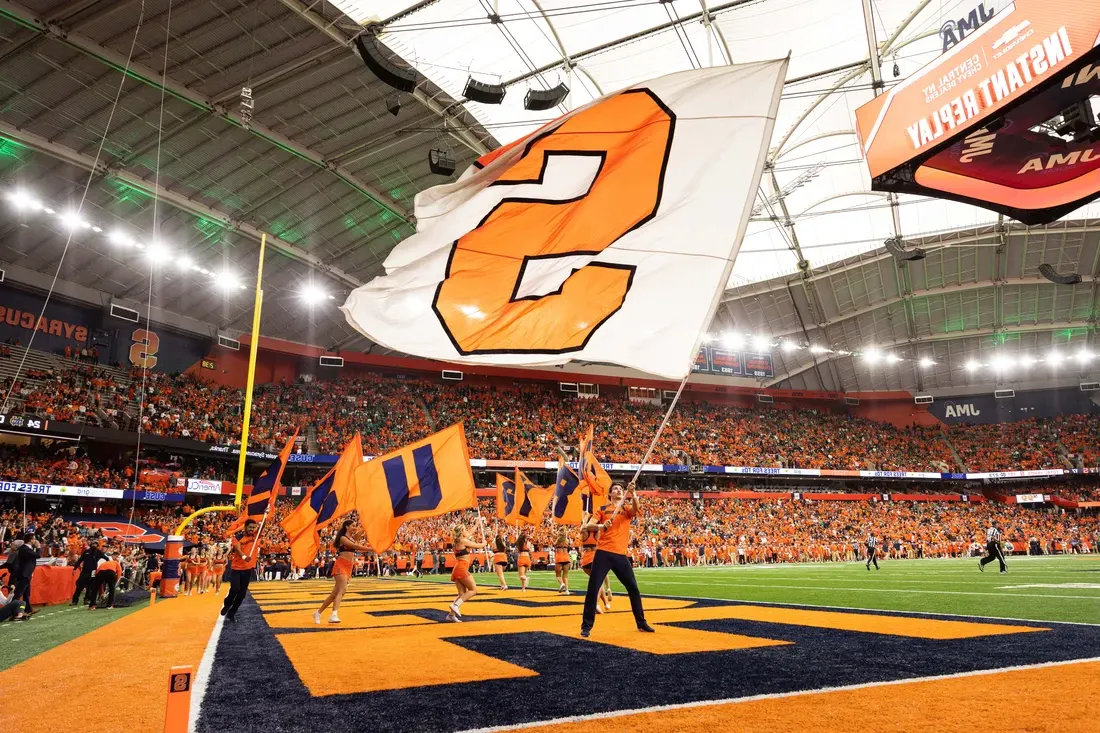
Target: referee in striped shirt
point(993, 549)
point(872, 552)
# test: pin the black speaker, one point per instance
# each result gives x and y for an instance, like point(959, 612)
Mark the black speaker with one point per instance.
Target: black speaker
point(477, 91)
point(897, 249)
point(540, 99)
point(441, 162)
point(399, 78)
point(1050, 274)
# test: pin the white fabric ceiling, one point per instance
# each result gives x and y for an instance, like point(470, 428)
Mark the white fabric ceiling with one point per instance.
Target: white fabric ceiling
point(835, 214)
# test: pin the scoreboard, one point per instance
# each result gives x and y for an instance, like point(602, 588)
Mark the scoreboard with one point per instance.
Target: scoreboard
point(726, 363)
point(18, 423)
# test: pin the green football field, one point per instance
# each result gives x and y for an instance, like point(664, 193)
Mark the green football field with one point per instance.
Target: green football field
point(1035, 588)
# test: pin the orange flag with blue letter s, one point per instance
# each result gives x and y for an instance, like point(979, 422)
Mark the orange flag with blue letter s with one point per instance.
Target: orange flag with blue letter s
point(424, 479)
point(593, 475)
point(531, 499)
point(327, 500)
point(265, 490)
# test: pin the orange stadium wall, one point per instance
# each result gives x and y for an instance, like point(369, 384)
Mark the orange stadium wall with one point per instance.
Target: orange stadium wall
point(896, 408)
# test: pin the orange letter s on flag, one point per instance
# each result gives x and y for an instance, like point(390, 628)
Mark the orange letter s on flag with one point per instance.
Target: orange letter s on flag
point(576, 190)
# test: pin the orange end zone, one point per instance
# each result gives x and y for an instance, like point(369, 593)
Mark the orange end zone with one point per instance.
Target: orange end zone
point(115, 673)
point(980, 702)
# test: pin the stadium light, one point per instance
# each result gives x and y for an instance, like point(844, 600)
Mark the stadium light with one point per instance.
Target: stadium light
point(1083, 356)
point(789, 345)
point(1054, 358)
point(71, 220)
point(312, 294)
point(185, 263)
point(872, 355)
point(120, 238)
point(1001, 364)
point(1027, 361)
point(972, 366)
point(226, 281)
point(892, 358)
point(23, 201)
point(157, 253)
point(925, 362)
point(816, 349)
point(732, 340)
point(761, 343)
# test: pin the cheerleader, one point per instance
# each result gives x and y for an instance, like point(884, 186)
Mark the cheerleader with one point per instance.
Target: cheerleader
point(523, 559)
point(463, 581)
point(345, 547)
point(219, 569)
point(562, 561)
point(500, 559)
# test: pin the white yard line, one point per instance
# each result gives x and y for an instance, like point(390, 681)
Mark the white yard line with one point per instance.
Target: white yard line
point(772, 696)
point(202, 677)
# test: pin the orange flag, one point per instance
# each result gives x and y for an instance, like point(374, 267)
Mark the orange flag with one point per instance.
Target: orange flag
point(423, 479)
point(327, 500)
point(264, 491)
point(592, 474)
point(531, 499)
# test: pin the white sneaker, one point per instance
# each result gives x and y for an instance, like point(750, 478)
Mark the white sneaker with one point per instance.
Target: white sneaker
point(316, 617)
point(455, 612)
point(454, 619)
point(334, 619)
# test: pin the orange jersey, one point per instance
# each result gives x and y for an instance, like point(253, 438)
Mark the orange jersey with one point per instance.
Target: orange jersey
point(246, 546)
point(617, 538)
point(110, 565)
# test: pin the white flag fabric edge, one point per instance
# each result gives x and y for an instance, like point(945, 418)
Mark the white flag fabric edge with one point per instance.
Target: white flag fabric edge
point(680, 257)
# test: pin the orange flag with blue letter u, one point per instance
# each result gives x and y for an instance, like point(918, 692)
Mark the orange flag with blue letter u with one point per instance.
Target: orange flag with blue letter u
point(329, 499)
point(423, 479)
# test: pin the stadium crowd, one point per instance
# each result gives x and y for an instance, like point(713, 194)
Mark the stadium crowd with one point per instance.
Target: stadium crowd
point(531, 421)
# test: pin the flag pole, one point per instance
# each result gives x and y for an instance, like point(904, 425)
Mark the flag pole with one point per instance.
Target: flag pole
point(246, 417)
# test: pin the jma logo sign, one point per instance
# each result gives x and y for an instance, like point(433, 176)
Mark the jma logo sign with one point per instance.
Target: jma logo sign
point(954, 31)
point(967, 410)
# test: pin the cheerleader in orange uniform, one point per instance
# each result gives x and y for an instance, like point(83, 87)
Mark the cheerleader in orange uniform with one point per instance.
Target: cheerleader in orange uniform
point(523, 559)
point(588, 544)
point(562, 561)
point(463, 581)
point(186, 574)
point(199, 567)
point(345, 547)
point(219, 570)
point(500, 559)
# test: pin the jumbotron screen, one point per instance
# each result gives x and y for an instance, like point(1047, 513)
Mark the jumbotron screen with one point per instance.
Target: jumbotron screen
point(1007, 119)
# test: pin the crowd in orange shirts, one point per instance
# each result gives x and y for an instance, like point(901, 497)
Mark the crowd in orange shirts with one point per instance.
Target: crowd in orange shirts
point(530, 421)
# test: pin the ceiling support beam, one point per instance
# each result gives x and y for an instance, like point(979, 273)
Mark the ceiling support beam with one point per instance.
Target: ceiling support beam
point(177, 200)
point(153, 78)
point(953, 336)
point(460, 134)
point(930, 292)
point(985, 239)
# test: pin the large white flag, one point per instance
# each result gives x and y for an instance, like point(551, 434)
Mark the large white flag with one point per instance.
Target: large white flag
point(608, 235)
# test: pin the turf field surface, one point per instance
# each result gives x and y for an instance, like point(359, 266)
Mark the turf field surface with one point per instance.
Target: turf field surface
point(722, 636)
point(51, 627)
point(1057, 588)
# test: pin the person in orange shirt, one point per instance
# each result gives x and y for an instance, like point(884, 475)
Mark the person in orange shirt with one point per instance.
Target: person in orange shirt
point(219, 570)
point(244, 555)
point(523, 559)
point(562, 561)
point(467, 588)
point(500, 559)
point(613, 524)
point(588, 543)
point(345, 547)
point(106, 576)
